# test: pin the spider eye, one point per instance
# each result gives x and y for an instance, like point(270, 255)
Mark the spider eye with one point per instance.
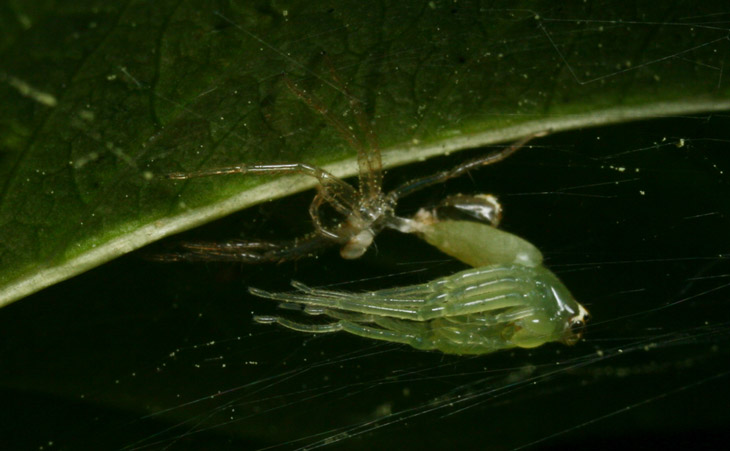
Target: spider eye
point(574, 332)
point(577, 327)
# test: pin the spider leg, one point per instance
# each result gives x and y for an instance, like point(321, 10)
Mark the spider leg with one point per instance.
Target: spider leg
point(467, 300)
point(360, 330)
point(293, 325)
point(509, 315)
point(249, 251)
point(403, 326)
point(421, 293)
point(414, 340)
point(410, 295)
point(340, 314)
point(242, 251)
point(368, 157)
point(342, 196)
point(357, 305)
point(490, 158)
point(339, 234)
point(419, 336)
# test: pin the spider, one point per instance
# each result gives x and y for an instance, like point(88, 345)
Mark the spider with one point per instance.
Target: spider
point(507, 300)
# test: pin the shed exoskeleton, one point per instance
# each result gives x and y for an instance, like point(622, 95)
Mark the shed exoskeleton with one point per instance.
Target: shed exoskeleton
point(508, 299)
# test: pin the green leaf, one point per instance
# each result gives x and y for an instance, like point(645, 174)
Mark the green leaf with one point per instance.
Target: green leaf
point(98, 100)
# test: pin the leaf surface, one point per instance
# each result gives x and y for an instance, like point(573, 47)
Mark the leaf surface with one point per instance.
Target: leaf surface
point(98, 100)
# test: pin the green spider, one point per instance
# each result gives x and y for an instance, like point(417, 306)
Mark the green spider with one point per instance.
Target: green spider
point(509, 299)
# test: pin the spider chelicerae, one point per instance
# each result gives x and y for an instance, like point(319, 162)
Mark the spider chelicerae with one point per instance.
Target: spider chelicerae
point(508, 299)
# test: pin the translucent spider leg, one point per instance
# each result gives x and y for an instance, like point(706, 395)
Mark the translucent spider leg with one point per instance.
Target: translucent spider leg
point(423, 336)
point(475, 281)
point(249, 251)
point(341, 195)
point(368, 157)
point(242, 251)
point(369, 161)
point(494, 157)
point(340, 315)
point(500, 294)
point(393, 336)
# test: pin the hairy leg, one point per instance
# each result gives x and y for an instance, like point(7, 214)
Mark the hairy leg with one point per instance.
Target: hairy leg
point(490, 158)
point(249, 251)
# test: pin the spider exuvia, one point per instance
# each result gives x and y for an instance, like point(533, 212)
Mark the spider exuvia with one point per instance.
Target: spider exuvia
point(508, 299)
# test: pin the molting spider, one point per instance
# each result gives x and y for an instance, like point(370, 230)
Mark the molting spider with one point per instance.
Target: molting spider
point(507, 300)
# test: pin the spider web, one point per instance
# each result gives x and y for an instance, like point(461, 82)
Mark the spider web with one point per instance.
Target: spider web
point(633, 218)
